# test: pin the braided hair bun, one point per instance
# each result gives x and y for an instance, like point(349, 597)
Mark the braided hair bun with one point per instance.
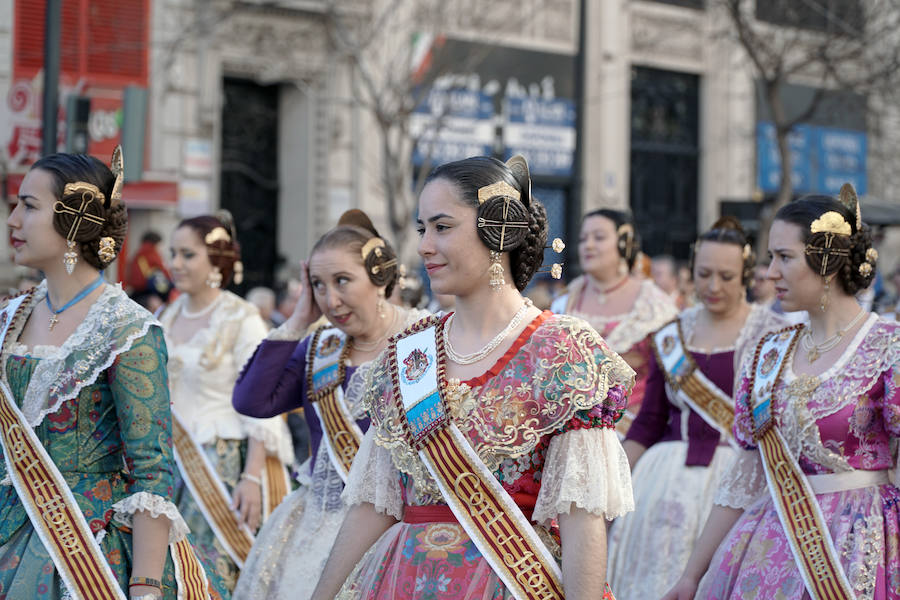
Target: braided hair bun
point(728, 230)
point(217, 232)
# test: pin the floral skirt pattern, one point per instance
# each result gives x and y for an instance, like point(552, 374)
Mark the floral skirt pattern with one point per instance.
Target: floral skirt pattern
point(227, 458)
point(672, 502)
point(428, 561)
point(754, 561)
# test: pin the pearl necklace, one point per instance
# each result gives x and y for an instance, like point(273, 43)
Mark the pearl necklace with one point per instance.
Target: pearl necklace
point(474, 357)
point(814, 351)
point(202, 312)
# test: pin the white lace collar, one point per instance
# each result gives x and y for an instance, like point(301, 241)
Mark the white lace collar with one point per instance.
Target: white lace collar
point(110, 328)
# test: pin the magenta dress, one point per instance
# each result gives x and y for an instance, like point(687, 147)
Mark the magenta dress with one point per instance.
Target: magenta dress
point(843, 420)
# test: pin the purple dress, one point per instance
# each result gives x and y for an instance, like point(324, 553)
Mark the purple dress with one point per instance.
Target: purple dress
point(845, 420)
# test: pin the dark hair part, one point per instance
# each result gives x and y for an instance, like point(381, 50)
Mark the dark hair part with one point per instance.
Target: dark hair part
point(807, 209)
point(471, 174)
point(222, 253)
point(627, 239)
point(353, 230)
point(728, 230)
point(71, 168)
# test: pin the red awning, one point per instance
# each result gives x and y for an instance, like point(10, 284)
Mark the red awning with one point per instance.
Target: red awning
point(140, 194)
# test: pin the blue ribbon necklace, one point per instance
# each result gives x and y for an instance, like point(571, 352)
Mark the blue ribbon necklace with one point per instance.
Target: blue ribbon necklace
point(54, 318)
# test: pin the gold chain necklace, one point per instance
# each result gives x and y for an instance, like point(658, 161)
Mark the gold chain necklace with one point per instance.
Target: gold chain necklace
point(369, 346)
point(814, 351)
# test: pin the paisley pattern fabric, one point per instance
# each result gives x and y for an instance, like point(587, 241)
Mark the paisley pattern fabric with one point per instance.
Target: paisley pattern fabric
point(558, 388)
point(112, 442)
point(843, 420)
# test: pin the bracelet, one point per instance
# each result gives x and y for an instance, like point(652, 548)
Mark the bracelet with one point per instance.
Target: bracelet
point(252, 478)
point(148, 581)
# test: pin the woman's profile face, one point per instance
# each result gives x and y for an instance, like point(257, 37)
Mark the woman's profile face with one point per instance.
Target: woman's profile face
point(796, 284)
point(455, 258)
point(717, 276)
point(189, 261)
point(598, 248)
point(343, 291)
point(35, 242)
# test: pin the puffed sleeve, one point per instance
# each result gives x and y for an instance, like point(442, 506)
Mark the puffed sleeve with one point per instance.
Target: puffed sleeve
point(744, 482)
point(273, 381)
point(272, 432)
point(138, 382)
point(374, 479)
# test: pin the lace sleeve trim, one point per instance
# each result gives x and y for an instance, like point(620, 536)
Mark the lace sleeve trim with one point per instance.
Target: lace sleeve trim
point(286, 333)
point(274, 435)
point(374, 479)
point(156, 506)
point(586, 468)
point(743, 483)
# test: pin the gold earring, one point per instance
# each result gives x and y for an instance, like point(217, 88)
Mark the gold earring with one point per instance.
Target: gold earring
point(214, 279)
point(496, 270)
point(623, 266)
point(107, 249)
point(823, 301)
point(70, 257)
point(379, 306)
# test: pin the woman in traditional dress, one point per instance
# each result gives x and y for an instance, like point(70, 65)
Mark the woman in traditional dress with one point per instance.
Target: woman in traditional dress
point(497, 418)
point(86, 496)
point(232, 467)
point(350, 273)
point(809, 510)
point(623, 308)
point(683, 430)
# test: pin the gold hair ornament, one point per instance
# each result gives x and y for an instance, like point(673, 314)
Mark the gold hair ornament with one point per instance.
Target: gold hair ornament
point(626, 230)
point(831, 222)
point(218, 234)
point(558, 245)
point(849, 199)
point(117, 166)
point(107, 249)
point(746, 251)
point(89, 192)
point(372, 244)
point(501, 188)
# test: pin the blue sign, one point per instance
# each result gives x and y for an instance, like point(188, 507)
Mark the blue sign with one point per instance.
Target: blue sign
point(822, 159)
point(452, 124)
point(542, 130)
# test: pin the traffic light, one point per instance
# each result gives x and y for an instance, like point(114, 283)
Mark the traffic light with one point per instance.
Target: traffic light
point(78, 110)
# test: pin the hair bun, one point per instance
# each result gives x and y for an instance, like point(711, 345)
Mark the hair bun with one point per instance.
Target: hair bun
point(224, 216)
point(358, 218)
point(729, 222)
point(518, 166)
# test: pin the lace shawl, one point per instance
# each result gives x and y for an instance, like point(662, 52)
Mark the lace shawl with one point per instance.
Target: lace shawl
point(110, 328)
point(652, 309)
point(562, 368)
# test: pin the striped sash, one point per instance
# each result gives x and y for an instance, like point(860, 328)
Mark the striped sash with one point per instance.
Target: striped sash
point(326, 370)
point(54, 512)
point(689, 383)
point(276, 484)
point(486, 511)
point(211, 494)
point(794, 500)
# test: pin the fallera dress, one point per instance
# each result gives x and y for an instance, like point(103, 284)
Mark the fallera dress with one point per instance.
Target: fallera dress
point(542, 420)
point(847, 419)
point(100, 406)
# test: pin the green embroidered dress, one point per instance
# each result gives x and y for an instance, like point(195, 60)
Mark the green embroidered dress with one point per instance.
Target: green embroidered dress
point(100, 406)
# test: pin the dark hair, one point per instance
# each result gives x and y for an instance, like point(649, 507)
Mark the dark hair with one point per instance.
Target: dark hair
point(846, 267)
point(72, 168)
point(469, 175)
point(627, 239)
point(728, 230)
point(152, 237)
point(353, 230)
point(223, 254)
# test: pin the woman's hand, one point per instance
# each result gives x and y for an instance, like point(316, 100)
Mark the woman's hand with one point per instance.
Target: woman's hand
point(306, 312)
point(247, 503)
point(683, 590)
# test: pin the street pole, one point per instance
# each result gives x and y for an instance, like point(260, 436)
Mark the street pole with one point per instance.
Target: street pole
point(52, 34)
point(576, 203)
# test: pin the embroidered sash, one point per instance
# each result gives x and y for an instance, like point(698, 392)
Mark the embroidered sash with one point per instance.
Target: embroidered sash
point(486, 511)
point(794, 499)
point(276, 484)
point(689, 383)
point(54, 512)
point(325, 372)
point(210, 493)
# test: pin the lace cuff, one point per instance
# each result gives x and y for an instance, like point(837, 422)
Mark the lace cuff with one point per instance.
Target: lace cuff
point(587, 468)
point(155, 506)
point(285, 333)
point(274, 435)
point(743, 482)
point(373, 478)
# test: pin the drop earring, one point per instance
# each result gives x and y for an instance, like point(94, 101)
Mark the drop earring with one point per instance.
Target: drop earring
point(823, 301)
point(214, 279)
point(70, 257)
point(379, 306)
point(496, 270)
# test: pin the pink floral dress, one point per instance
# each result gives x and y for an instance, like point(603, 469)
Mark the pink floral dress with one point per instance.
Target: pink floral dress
point(542, 419)
point(844, 420)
